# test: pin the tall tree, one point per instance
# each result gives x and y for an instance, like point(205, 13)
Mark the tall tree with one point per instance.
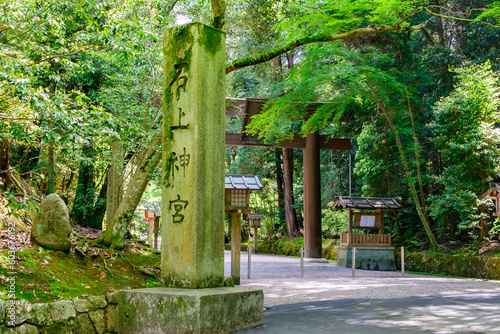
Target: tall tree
point(114, 236)
point(285, 178)
point(280, 186)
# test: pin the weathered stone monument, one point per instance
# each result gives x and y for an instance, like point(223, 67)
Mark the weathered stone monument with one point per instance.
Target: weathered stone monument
point(192, 264)
point(51, 228)
point(193, 157)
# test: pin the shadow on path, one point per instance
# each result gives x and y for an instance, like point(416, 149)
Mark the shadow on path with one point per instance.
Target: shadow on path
point(463, 313)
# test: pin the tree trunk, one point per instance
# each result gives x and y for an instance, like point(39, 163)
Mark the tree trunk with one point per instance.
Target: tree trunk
point(421, 213)
point(279, 185)
point(99, 208)
point(218, 13)
point(318, 38)
point(484, 225)
point(417, 160)
point(114, 236)
point(9, 178)
point(439, 22)
point(4, 163)
point(115, 181)
point(83, 204)
point(290, 216)
point(51, 183)
point(277, 75)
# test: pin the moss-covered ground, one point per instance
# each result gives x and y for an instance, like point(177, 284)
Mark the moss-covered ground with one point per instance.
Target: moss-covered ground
point(44, 276)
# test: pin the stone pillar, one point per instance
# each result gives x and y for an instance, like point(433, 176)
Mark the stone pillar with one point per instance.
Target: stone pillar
point(115, 181)
point(312, 197)
point(193, 157)
point(235, 247)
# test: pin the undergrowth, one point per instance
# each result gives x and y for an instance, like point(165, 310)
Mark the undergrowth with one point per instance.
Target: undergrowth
point(44, 276)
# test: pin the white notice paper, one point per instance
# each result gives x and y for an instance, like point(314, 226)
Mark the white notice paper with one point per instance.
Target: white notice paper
point(367, 221)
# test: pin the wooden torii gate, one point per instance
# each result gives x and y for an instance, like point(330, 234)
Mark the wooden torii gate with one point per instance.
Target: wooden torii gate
point(312, 180)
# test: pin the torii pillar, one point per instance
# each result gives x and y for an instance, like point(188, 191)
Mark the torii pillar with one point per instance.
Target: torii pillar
point(312, 198)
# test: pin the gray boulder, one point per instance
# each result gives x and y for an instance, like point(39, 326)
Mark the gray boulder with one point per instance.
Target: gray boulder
point(51, 227)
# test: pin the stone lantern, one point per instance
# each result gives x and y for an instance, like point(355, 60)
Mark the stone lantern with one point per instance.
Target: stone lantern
point(254, 220)
point(237, 201)
point(238, 189)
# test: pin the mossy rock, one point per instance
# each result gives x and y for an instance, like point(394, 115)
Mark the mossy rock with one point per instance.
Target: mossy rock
point(51, 228)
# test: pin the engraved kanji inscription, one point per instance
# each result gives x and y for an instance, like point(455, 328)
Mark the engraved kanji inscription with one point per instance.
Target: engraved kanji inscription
point(184, 161)
point(179, 206)
point(174, 163)
point(180, 125)
point(172, 166)
point(182, 79)
point(181, 82)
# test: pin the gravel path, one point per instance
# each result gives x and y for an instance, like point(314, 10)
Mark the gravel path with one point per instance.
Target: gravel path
point(279, 278)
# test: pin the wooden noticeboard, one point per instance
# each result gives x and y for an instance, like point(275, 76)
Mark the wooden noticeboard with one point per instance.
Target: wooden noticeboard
point(367, 220)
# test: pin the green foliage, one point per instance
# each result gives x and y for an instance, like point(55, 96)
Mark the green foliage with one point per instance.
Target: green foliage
point(371, 164)
point(17, 207)
point(329, 17)
point(81, 73)
point(333, 223)
point(468, 141)
point(492, 9)
point(342, 77)
point(265, 201)
point(495, 228)
point(35, 53)
point(88, 207)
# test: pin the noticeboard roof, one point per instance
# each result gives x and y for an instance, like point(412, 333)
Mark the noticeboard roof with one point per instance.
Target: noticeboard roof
point(380, 203)
point(493, 191)
point(256, 216)
point(251, 182)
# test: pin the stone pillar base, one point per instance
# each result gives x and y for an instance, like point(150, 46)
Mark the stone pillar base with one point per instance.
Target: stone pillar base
point(367, 257)
point(168, 310)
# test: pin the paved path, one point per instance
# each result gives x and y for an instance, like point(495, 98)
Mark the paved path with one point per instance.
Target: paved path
point(329, 300)
point(466, 313)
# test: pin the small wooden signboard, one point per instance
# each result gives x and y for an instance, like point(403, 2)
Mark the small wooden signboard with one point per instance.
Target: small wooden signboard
point(367, 220)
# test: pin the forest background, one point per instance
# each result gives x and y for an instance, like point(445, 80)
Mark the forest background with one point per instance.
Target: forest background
point(413, 83)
